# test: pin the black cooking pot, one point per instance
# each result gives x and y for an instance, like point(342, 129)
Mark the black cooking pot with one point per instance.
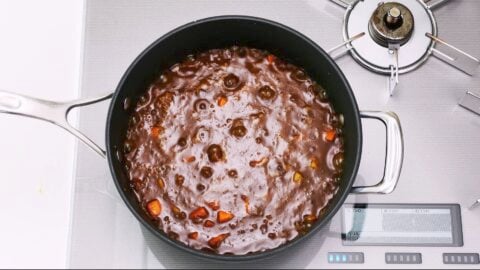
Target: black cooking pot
point(218, 32)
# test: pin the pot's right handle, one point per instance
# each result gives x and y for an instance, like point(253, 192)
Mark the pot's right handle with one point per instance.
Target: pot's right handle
point(394, 153)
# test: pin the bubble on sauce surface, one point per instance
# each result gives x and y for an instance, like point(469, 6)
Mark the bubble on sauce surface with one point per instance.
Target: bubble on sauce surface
point(231, 82)
point(215, 153)
point(266, 92)
point(206, 172)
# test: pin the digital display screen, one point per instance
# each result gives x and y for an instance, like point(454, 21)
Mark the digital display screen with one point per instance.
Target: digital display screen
point(402, 225)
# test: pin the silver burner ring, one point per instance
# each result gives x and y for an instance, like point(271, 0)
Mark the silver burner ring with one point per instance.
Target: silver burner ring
point(373, 54)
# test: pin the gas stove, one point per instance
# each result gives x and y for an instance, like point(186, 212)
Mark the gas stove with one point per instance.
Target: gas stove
point(393, 54)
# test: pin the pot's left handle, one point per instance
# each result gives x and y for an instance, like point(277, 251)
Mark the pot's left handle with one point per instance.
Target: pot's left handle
point(50, 111)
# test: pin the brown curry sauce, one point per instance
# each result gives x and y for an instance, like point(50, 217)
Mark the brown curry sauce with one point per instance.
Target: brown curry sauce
point(234, 151)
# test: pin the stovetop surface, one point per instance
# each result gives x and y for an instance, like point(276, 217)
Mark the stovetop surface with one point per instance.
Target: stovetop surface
point(442, 140)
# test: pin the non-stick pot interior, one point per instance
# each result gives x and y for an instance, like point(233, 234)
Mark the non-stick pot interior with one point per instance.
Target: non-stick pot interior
point(221, 32)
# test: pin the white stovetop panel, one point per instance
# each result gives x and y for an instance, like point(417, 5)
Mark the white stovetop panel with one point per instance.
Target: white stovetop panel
point(442, 140)
point(40, 56)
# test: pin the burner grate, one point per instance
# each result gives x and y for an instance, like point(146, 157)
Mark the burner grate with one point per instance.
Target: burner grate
point(393, 38)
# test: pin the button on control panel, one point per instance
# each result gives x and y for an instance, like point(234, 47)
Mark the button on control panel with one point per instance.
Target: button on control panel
point(403, 258)
point(345, 257)
point(461, 258)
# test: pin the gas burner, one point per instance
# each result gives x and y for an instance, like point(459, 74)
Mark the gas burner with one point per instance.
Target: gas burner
point(391, 24)
point(401, 36)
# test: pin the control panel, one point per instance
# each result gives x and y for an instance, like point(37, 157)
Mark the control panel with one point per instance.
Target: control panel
point(394, 226)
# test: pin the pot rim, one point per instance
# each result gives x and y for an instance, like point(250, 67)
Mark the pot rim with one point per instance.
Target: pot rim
point(250, 256)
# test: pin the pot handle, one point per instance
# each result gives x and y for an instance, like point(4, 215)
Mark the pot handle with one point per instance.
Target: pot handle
point(394, 153)
point(50, 111)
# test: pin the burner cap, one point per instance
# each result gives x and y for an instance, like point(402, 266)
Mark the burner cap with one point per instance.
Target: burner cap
point(391, 24)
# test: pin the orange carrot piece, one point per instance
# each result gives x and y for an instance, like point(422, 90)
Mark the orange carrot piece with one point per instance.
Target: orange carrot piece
point(189, 159)
point(199, 213)
point(222, 100)
point(155, 131)
point(208, 223)
point(223, 216)
point(330, 135)
point(193, 235)
point(154, 208)
point(216, 241)
point(271, 58)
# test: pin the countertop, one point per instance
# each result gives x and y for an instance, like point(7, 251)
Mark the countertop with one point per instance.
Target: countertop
point(40, 56)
